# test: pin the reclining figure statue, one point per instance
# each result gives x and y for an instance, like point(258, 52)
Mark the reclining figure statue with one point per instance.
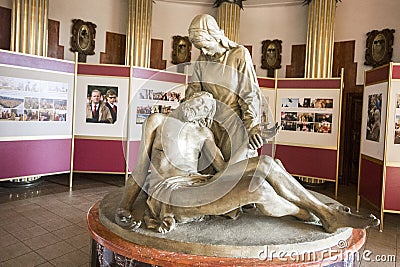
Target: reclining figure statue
point(171, 146)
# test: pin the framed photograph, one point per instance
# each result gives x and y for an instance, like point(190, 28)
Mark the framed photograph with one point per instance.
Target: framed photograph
point(374, 117)
point(397, 130)
point(379, 48)
point(102, 104)
point(290, 102)
point(181, 49)
point(397, 121)
point(305, 127)
point(305, 102)
point(271, 54)
point(322, 103)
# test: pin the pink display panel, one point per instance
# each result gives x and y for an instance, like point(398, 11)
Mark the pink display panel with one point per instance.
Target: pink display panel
point(396, 72)
point(267, 83)
point(158, 75)
point(99, 156)
point(309, 84)
point(392, 188)
point(34, 157)
point(371, 181)
point(309, 162)
point(377, 75)
point(35, 146)
point(42, 63)
point(103, 70)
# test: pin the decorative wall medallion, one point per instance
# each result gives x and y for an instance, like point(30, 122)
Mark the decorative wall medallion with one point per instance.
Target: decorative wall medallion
point(181, 49)
point(82, 39)
point(379, 48)
point(271, 54)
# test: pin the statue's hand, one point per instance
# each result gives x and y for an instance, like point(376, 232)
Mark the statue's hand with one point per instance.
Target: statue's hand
point(124, 219)
point(268, 133)
point(255, 140)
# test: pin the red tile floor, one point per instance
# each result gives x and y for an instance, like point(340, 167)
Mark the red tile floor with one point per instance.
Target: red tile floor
point(45, 225)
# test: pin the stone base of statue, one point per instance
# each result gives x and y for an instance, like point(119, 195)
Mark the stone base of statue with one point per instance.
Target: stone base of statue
point(251, 240)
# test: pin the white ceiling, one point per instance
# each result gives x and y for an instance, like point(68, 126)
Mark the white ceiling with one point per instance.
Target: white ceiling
point(245, 3)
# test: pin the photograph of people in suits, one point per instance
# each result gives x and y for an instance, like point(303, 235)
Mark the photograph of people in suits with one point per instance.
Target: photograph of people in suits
point(111, 103)
point(96, 109)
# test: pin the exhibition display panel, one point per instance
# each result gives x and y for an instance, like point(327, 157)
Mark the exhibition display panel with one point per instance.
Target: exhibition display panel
point(309, 112)
point(36, 103)
point(379, 170)
point(151, 91)
point(99, 144)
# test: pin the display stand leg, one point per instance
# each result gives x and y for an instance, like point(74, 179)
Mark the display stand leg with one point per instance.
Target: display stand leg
point(381, 224)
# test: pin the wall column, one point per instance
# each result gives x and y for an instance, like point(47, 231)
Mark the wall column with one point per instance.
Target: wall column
point(228, 19)
point(29, 24)
point(320, 38)
point(138, 37)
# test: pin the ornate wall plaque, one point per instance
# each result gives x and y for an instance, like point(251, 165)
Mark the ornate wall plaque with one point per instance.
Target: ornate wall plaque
point(82, 39)
point(379, 49)
point(181, 49)
point(271, 54)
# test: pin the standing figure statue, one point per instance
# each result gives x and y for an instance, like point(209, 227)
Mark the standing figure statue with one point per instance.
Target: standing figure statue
point(225, 69)
point(171, 146)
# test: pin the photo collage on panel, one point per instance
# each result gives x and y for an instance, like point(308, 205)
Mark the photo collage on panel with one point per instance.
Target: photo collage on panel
point(156, 101)
point(312, 115)
point(32, 100)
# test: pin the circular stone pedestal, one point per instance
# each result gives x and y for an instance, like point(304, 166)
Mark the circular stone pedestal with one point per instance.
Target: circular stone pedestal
point(251, 240)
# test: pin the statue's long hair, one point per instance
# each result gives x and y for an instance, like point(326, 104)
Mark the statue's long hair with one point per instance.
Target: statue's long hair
point(209, 101)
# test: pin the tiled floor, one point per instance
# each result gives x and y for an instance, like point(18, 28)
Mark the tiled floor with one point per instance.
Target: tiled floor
point(45, 225)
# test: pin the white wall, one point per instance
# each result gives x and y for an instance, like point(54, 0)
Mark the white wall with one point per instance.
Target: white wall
point(284, 22)
point(171, 19)
point(108, 15)
point(355, 18)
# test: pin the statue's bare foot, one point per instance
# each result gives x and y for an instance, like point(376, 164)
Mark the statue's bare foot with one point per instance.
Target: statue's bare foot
point(124, 219)
point(164, 226)
point(167, 224)
point(306, 216)
point(341, 216)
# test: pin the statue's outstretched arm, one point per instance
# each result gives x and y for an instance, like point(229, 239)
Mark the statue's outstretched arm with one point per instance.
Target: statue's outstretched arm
point(136, 180)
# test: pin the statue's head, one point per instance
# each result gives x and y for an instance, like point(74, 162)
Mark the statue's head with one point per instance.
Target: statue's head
point(205, 32)
point(200, 108)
